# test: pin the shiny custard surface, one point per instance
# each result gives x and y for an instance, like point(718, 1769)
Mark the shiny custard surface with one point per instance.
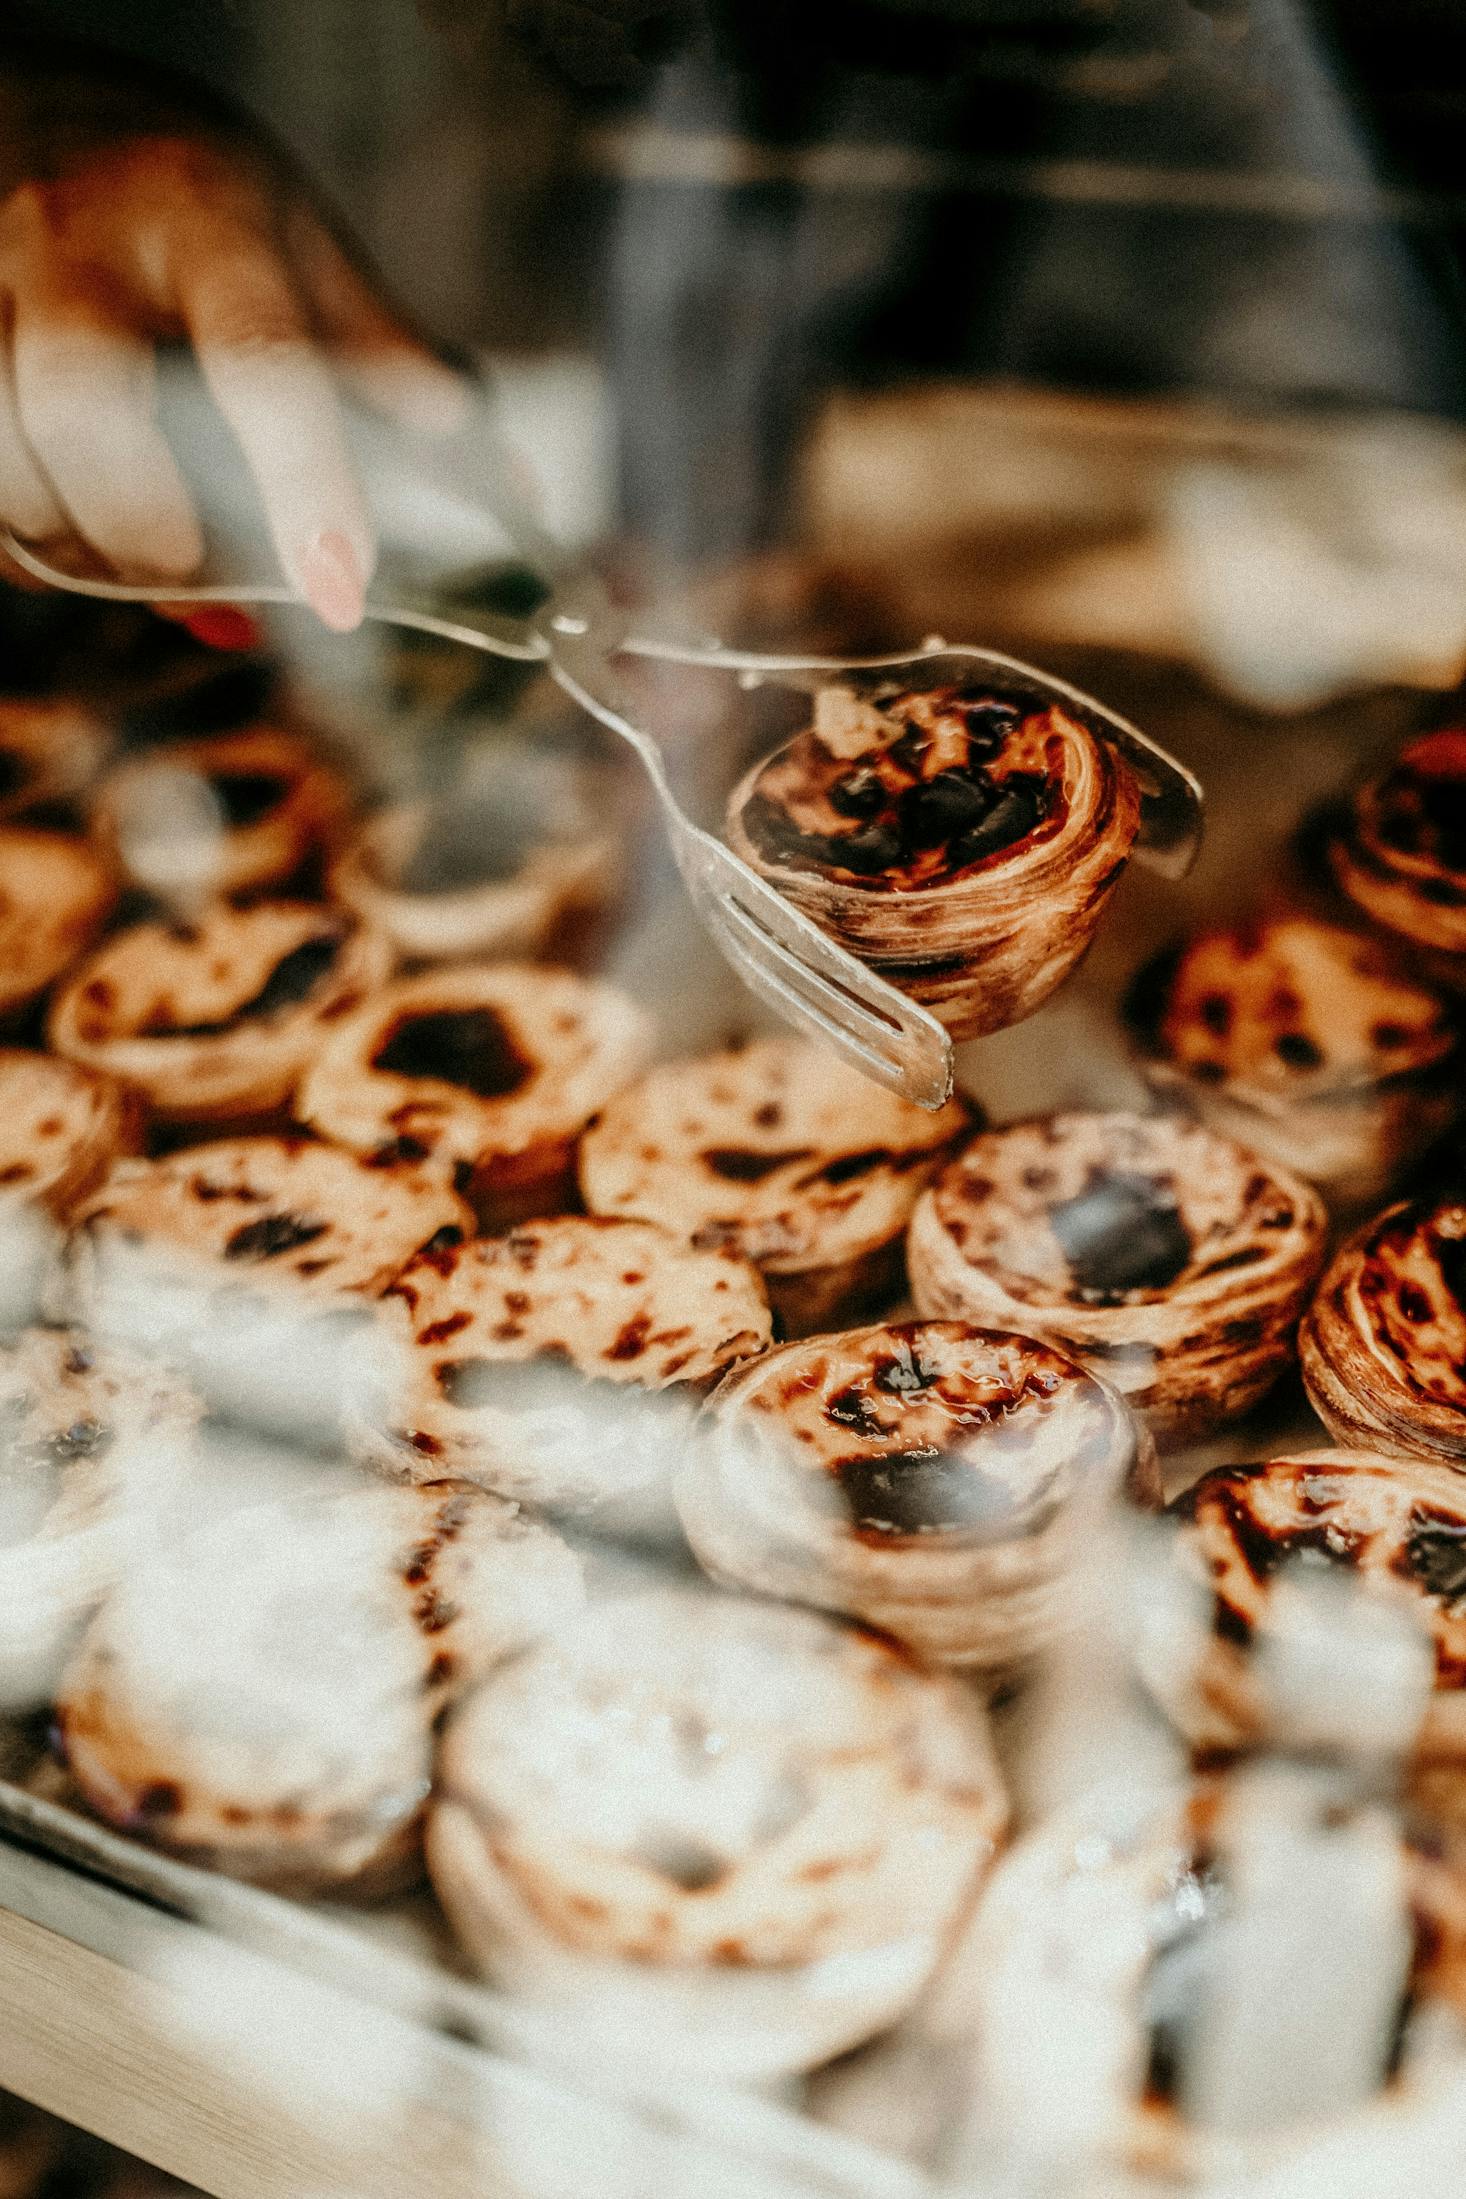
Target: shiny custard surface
point(948, 782)
point(936, 1430)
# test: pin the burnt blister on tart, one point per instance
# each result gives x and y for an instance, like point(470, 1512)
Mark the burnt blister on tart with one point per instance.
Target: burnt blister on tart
point(778, 1151)
point(928, 1478)
point(549, 1363)
point(217, 1018)
point(1395, 1525)
point(1171, 1260)
point(490, 1071)
point(1399, 851)
point(741, 1835)
point(1383, 1346)
point(961, 841)
point(1319, 1047)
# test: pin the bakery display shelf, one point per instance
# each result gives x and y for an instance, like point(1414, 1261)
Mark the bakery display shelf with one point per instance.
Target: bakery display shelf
point(256, 2047)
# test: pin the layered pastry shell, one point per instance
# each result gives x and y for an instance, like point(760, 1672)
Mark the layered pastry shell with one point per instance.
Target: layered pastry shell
point(927, 1478)
point(778, 1151)
point(272, 805)
point(1313, 1045)
point(258, 1693)
point(961, 842)
point(217, 1019)
point(56, 892)
point(538, 902)
point(542, 1362)
point(489, 1071)
point(1383, 1345)
point(1400, 853)
point(728, 1836)
point(61, 1127)
point(1088, 1961)
point(1173, 1262)
point(1399, 1527)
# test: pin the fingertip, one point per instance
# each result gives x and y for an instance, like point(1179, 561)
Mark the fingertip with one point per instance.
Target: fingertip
point(333, 582)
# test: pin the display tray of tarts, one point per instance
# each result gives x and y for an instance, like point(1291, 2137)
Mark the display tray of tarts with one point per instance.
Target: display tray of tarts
point(532, 1503)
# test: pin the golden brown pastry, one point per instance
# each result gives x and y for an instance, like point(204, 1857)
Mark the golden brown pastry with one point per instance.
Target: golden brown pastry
point(492, 1070)
point(218, 1019)
point(94, 1444)
point(1171, 1261)
point(48, 750)
point(258, 1692)
point(1398, 1524)
point(1383, 1346)
point(56, 893)
point(1312, 1045)
point(443, 887)
point(1091, 1960)
point(275, 803)
point(781, 1152)
point(244, 1260)
point(928, 1478)
point(539, 1363)
point(61, 1128)
point(728, 1837)
point(1401, 854)
point(960, 842)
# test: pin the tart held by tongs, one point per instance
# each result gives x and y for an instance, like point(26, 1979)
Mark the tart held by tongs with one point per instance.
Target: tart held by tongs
point(442, 505)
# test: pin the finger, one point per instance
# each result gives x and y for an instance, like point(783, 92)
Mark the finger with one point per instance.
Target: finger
point(387, 366)
point(249, 331)
point(27, 504)
point(84, 396)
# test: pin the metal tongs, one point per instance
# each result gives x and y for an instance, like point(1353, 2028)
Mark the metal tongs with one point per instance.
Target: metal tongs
point(441, 506)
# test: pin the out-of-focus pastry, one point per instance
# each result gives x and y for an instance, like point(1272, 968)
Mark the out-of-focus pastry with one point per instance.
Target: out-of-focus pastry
point(1400, 855)
point(217, 1020)
point(1094, 1965)
point(928, 1478)
point(245, 1259)
point(543, 1363)
point(491, 1071)
point(1170, 1260)
point(781, 1152)
point(1383, 1346)
point(960, 841)
point(1312, 1045)
point(272, 802)
point(56, 892)
point(726, 1837)
point(94, 1443)
point(258, 1693)
point(61, 1127)
point(1398, 1525)
point(521, 868)
point(48, 750)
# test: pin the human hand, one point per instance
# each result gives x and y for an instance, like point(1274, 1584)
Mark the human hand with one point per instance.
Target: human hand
point(195, 237)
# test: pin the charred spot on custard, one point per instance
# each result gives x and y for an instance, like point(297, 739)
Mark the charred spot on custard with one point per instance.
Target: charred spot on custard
point(745, 1164)
point(244, 797)
point(921, 1491)
point(1120, 1234)
point(468, 1047)
point(272, 1235)
point(911, 825)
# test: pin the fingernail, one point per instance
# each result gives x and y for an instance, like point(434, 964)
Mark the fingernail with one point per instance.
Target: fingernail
point(221, 627)
point(332, 580)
